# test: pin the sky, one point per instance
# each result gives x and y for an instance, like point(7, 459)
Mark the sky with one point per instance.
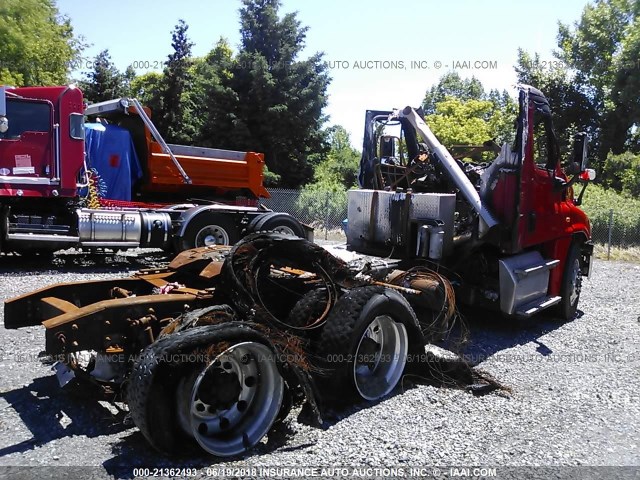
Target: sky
point(381, 54)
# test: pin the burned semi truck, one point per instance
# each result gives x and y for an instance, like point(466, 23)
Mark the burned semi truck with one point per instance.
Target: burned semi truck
point(509, 232)
point(216, 348)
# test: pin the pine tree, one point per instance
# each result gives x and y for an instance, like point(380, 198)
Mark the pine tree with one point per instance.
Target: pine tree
point(175, 121)
point(214, 101)
point(280, 98)
point(104, 82)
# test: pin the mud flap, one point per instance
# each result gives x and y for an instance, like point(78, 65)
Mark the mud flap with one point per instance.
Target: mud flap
point(63, 373)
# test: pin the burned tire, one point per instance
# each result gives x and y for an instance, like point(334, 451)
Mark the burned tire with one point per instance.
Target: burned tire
point(370, 337)
point(250, 282)
point(571, 283)
point(309, 308)
point(218, 386)
point(276, 222)
point(209, 228)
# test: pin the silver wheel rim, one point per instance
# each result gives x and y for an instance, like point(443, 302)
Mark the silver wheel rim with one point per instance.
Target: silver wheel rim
point(285, 231)
point(380, 357)
point(227, 421)
point(576, 282)
point(212, 235)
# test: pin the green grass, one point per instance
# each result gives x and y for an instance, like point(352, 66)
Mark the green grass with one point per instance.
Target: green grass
point(626, 254)
point(597, 204)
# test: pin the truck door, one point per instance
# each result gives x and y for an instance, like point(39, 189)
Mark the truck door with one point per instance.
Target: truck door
point(542, 195)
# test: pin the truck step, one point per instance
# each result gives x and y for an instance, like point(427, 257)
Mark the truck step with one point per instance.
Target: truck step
point(524, 282)
point(536, 306)
point(536, 269)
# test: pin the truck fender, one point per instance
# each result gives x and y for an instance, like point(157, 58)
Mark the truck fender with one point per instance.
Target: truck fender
point(559, 249)
point(195, 214)
point(190, 214)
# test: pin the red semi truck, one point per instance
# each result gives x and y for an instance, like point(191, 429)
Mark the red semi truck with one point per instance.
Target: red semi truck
point(179, 197)
point(508, 232)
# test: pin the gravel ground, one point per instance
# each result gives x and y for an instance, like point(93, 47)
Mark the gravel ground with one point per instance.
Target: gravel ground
point(575, 397)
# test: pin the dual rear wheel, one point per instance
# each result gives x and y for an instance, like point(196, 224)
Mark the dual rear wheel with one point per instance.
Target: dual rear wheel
point(215, 228)
point(229, 404)
point(371, 337)
point(221, 387)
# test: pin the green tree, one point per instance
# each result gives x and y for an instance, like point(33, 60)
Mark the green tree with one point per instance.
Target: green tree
point(341, 164)
point(215, 103)
point(320, 201)
point(502, 119)
point(335, 174)
point(598, 203)
point(148, 89)
point(128, 77)
point(602, 49)
point(38, 45)
point(279, 97)
point(175, 121)
point(572, 106)
point(622, 173)
point(451, 85)
point(458, 122)
point(454, 99)
point(104, 82)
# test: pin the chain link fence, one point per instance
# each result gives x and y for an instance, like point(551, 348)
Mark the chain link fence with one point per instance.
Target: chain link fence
point(326, 211)
point(612, 233)
point(323, 210)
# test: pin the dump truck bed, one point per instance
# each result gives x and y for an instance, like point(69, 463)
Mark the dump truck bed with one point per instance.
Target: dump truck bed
point(207, 167)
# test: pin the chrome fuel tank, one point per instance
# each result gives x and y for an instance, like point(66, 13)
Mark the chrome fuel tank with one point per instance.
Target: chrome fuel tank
point(123, 228)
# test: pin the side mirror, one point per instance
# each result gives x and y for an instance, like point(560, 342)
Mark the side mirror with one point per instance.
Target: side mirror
point(580, 150)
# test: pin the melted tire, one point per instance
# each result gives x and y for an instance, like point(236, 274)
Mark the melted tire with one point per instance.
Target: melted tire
point(309, 308)
point(252, 253)
point(340, 338)
point(151, 391)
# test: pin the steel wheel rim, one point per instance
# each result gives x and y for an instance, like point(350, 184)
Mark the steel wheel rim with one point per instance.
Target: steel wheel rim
point(243, 421)
point(212, 235)
point(380, 357)
point(285, 230)
point(576, 282)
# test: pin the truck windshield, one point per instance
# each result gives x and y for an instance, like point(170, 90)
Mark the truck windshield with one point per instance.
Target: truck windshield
point(26, 116)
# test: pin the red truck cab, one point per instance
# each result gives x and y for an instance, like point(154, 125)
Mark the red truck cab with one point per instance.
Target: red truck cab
point(44, 124)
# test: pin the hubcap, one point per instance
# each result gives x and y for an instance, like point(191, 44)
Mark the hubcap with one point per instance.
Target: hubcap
point(212, 235)
point(231, 404)
point(380, 357)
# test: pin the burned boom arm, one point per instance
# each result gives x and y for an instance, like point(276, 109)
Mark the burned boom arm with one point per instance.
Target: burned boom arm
point(457, 175)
